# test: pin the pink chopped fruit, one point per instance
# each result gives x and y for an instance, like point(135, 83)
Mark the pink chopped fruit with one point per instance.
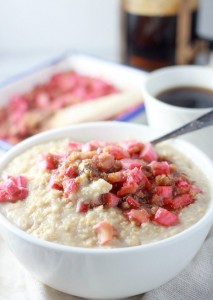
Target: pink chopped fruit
point(20, 180)
point(138, 216)
point(148, 153)
point(50, 161)
point(160, 167)
point(132, 146)
point(43, 100)
point(129, 163)
point(70, 186)
point(71, 171)
point(106, 161)
point(181, 201)
point(111, 200)
point(82, 207)
point(13, 189)
point(117, 152)
point(26, 113)
point(134, 181)
point(55, 182)
point(138, 176)
point(129, 187)
point(182, 186)
point(165, 217)
point(116, 177)
point(132, 202)
point(164, 191)
point(74, 145)
point(105, 232)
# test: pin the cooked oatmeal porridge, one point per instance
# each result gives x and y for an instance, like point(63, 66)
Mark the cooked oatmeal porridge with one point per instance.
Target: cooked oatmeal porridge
point(102, 194)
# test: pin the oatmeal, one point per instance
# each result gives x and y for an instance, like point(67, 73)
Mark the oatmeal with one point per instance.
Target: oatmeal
point(102, 194)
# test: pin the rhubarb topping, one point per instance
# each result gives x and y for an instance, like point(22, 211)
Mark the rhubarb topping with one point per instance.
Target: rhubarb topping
point(128, 176)
point(13, 189)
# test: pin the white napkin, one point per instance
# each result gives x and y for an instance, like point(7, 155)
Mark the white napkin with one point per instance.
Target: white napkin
point(194, 283)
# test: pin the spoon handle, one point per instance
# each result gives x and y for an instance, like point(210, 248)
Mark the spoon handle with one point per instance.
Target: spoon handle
point(203, 121)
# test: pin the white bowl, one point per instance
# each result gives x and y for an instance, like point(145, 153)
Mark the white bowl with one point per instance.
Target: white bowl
point(107, 273)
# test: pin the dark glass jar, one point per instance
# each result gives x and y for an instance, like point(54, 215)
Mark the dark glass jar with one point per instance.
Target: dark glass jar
point(158, 32)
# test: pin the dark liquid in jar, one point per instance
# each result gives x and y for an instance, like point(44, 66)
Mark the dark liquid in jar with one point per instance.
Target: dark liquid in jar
point(151, 40)
point(190, 97)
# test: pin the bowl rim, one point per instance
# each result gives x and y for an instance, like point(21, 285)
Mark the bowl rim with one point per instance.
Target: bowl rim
point(41, 137)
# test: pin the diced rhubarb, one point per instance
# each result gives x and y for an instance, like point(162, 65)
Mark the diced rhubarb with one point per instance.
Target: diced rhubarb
point(117, 152)
point(26, 113)
point(125, 176)
point(163, 180)
point(4, 197)
point(182, 186)
point(105, 161)
point(21, 181)
point(129, 187)
point(18, 104)
point(80, 92)
point(148, 153)
point(23, 193)
point(90, 146)
point(132, 146)
point(138, 176)
point(164, 191)
point(43, 100)
point(181, 201)
point(105, 232)
point(97, 201)
point(129, 163)
point(74, 145)
point(138, 216)
point(55, 183)
point(160, 167)
point(70, 186)
point(158, 200)
point(111, 200)
point(49, 161)
point(132, 202)
point(71, 171)
point(101, 87)
point(13, 189)
point(116, 177)
point(65, 81)
point(165, 217)
point(82, 207)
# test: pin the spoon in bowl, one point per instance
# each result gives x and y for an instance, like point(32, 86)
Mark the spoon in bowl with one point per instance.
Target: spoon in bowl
point(201, 122)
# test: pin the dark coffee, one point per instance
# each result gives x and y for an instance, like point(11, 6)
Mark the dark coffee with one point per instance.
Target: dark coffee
point(191, 97)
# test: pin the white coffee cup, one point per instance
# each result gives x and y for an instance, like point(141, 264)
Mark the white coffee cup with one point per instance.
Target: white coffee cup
point(167, 117)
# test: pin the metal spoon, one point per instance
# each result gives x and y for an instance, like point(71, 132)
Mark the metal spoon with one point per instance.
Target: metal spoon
point(201, 122)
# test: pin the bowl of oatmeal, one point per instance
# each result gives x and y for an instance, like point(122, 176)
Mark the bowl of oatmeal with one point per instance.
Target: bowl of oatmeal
point(93, 204)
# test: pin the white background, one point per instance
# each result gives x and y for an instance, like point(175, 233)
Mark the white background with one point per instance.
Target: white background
point(32, 31)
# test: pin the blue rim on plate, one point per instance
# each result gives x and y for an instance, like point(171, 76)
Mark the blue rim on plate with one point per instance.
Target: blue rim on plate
point(5, 146)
